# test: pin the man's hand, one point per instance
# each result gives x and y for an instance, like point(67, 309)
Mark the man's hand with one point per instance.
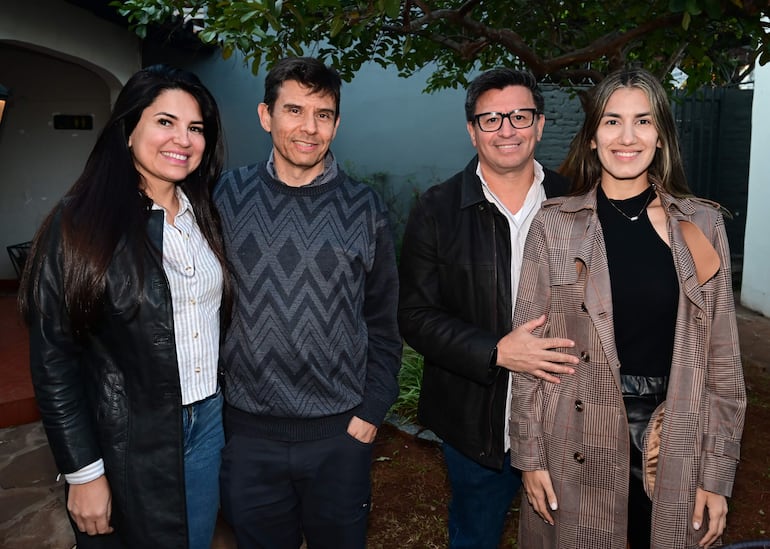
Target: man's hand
point(540, 494)
point(717, 509)
point(361, 430)
point(90, 506)
point(520, 351)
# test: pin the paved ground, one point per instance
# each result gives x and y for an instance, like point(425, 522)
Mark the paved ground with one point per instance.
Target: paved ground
point(32, 513)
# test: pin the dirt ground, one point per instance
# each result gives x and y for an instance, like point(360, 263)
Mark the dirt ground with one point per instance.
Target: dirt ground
point(410, 489)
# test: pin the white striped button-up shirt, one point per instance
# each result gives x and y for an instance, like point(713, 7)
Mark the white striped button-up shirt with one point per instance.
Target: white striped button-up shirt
point(195, 280)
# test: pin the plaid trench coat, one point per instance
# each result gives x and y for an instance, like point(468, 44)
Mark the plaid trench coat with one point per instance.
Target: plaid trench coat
point(577, 429)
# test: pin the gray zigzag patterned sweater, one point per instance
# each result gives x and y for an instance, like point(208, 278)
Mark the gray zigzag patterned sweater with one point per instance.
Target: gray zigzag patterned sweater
point(314, 338)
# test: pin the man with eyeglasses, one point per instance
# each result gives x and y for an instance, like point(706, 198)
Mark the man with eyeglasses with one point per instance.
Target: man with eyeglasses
point(459, 273)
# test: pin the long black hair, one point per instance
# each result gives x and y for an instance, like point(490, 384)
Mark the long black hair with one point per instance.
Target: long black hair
point(106, 206)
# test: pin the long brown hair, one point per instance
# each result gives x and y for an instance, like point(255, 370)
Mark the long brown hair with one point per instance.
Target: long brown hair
point(582, 164)
point(105, 207)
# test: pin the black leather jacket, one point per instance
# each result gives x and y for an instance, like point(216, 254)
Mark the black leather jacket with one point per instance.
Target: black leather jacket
point(116, 395)
point(455, 305)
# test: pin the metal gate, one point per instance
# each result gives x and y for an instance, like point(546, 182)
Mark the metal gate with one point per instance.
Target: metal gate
point(697, 119)
point(714, 128)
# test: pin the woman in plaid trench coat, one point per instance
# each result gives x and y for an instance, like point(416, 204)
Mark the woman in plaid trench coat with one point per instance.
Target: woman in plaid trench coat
point(571, 439)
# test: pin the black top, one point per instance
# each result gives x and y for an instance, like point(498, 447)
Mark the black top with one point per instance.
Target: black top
point(645, 288)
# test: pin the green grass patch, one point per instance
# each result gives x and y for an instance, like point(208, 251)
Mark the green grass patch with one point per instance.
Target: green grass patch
point(409, 381)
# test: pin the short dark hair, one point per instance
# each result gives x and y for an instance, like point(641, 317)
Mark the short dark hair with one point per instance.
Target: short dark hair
point(498, 79)
point(309, 72)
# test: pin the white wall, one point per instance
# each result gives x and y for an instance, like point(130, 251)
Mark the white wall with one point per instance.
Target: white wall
point(63, 30)
point(755, 288)
point(38, 163)
point(54, 58)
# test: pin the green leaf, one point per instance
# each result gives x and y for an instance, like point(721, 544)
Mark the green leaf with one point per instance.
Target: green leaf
point(710, 38)
point(338, 23)
point(207, 36)
point(243, 43)
point(249, 15)
point(693, 8)
point(392, 8)
point(256, 62)
point(277, 8)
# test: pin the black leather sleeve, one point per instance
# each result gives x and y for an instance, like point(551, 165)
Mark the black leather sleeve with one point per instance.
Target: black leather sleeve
point(55, 362)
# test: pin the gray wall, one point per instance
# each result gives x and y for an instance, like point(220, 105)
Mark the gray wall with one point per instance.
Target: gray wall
point(388, 126)
point(399, 139)
point(564, 116)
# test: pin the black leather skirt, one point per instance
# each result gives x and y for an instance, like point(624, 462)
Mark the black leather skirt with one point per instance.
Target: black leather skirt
point(641, 396)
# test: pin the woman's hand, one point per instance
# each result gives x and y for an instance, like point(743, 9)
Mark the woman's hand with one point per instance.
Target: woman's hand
point(717, 509)
point(90, 506)
point(540, 494)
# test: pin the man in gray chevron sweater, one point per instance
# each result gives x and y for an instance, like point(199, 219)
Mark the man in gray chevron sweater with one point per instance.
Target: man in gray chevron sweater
point(312, 355)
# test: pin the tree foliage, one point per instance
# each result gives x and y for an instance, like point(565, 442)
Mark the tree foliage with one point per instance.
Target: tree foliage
point(563, 41)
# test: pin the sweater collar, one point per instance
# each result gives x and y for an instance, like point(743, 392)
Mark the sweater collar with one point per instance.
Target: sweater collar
point(328, 174)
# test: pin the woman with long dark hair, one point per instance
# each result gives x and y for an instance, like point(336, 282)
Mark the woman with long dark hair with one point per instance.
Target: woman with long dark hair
point(125, 292)
point(636, 271)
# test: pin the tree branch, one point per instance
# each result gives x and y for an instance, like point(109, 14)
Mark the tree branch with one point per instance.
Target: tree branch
point(466, 8)
point(608, 45)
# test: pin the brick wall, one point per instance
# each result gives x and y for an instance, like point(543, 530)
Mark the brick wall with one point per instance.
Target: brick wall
point(564, 116)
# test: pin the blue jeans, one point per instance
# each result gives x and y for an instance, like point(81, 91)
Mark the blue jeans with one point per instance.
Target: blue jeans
point(204, 439)
point(481, 499)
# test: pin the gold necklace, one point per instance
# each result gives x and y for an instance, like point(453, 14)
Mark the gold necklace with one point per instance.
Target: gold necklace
point(644, 207)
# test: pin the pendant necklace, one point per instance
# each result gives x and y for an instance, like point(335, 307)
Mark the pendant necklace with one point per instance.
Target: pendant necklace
point(644, 207)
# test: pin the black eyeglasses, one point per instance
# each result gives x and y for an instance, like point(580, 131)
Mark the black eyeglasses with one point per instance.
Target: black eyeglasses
point(519, 119)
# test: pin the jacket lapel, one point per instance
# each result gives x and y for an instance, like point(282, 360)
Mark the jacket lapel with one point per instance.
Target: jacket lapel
point(695, 258)
point(593, 272)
